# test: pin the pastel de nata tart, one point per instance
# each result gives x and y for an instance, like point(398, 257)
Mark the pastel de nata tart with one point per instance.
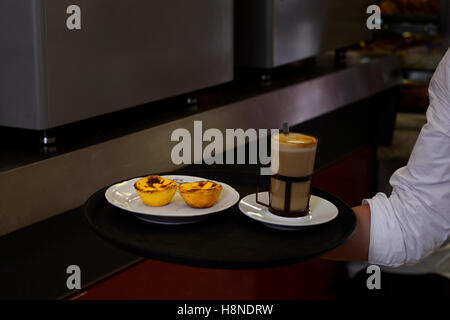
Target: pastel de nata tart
point(200, 194)
point(155, 191)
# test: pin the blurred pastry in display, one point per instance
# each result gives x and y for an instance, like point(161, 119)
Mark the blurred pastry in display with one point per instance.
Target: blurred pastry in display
point(200, 194)
point(409, 7)
point(389, 8)
point(155, 191)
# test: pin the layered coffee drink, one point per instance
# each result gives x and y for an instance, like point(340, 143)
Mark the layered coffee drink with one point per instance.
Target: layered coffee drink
point(293, 157)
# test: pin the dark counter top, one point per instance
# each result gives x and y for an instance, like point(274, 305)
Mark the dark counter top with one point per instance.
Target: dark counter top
point(33, 260)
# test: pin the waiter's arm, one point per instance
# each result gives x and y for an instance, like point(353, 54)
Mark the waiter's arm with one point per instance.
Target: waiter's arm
point(414, 220)
point(356, 248)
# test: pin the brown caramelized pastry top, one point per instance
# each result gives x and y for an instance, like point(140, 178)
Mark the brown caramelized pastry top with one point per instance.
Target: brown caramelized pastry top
point(199, 185)
point(154, 183)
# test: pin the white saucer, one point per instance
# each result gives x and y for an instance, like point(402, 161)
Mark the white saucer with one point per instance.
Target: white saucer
point(321, 211)
point(124, 196)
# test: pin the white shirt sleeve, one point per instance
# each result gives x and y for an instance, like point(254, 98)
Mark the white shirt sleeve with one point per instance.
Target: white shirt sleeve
point(415, 220)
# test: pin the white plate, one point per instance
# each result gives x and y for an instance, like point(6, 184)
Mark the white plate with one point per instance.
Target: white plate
point(321, 211)
point(124, 196)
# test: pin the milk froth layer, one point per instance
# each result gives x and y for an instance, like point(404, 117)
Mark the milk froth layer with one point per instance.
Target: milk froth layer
point(294, 142)
point(293, 154)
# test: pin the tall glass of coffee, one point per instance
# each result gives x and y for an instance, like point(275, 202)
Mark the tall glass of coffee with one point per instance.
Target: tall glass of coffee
point(292, 158)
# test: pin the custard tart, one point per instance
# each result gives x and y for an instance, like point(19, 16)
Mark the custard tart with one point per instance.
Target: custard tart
point(200, 194)
point(155, 191)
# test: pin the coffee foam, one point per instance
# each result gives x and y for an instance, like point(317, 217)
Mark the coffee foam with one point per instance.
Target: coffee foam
point(293, 142)
point(293, 139)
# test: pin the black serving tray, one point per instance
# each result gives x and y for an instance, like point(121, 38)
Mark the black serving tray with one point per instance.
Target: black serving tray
point(225, 240)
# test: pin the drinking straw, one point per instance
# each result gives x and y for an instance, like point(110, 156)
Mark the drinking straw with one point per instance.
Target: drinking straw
point(285, 128)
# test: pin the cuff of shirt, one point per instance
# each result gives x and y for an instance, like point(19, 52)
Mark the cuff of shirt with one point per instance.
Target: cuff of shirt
point(386, 241)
